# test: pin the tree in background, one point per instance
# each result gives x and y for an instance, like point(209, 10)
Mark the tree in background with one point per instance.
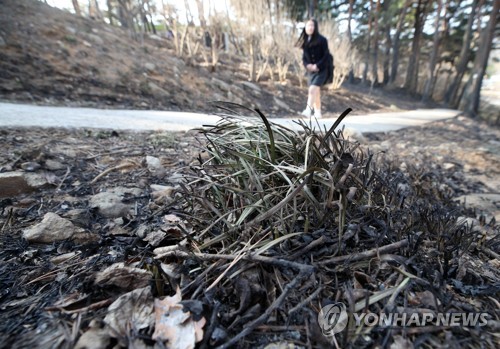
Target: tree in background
point(441, 45)
point(469, 102)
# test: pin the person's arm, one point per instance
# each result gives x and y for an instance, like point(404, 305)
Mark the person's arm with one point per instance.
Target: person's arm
point(323, 61)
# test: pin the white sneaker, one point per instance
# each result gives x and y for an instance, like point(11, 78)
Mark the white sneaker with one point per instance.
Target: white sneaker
point(307, 112)
point(317, 115)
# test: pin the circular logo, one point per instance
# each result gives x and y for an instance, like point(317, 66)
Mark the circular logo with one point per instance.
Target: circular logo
point(333, 319)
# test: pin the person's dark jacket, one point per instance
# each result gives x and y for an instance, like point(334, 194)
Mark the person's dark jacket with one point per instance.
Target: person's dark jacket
point(316, 53)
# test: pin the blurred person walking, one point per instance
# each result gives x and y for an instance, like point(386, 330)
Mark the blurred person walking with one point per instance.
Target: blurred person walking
point(318, 63)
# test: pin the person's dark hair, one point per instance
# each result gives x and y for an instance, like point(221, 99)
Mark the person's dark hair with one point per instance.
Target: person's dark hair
point(302, 41)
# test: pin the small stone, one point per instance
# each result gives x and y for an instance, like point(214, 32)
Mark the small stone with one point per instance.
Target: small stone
point(448, 165)
point(141, 231)
point(123, 191)
point(161, 191)
point(385, 145)
point(52, 228)
point(354, 134)
point(95, 38)
point(154, 164)
point(35, 180)
point(150, 67)
point(30, 166)
point(53, 165)
point(157, 89)
point(221, 84)
point(13, 183)
point(16, 183)
point(109, 205)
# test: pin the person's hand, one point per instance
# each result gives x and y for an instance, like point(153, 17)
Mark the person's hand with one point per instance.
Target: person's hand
point(309, 67)
point(315, 67)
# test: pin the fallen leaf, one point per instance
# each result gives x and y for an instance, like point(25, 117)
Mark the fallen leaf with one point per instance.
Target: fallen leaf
point(401, 343)
point(176, 326)
point(130, 313)
point(127, 278)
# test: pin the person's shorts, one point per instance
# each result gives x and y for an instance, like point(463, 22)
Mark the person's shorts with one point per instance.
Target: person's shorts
point(318, 78)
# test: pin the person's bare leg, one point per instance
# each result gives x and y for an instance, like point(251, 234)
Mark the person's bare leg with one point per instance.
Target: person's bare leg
point(314, 92)
point(311, 97)
point(317, 105)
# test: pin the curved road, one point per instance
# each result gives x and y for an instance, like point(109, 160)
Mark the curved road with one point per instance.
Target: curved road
point(15, 115)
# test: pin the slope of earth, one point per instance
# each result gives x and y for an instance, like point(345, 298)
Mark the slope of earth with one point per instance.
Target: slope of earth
point(50, 56)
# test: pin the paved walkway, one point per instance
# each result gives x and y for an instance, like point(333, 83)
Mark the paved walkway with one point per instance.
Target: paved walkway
point(32, 115)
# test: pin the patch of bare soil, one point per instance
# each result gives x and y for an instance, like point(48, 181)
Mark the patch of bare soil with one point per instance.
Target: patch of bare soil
point(464, 151)
point(49, 56)
point(91, 240)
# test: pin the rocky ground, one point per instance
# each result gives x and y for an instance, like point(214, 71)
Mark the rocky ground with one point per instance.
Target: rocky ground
point(85, 221)
point(90, 245)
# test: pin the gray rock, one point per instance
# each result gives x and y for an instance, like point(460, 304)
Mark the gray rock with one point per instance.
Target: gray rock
point(149, 66)
point(221, 84)
point(141, 231)
point(123, 191)
point(95, 38)
point(53, 165)
point(30, 166)
point(16, 183)
point(2, 42)
point(157, 89)
point(351, 133)
point(13, 183)
point(153, 163)
point(110, 205)
point(52, 228)
point(36, 180)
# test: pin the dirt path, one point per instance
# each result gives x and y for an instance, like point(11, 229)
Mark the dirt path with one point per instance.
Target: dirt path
point(15, 115)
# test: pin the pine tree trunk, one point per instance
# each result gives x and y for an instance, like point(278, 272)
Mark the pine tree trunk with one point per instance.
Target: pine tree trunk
point(411, 82)
point(388, 41)
point(201, 13)
point(375, 45)
point(76, 6)
point(368, 44)
point(451, 94)
point(395, 45)
point(427, 94)
point(349, 35)
point(94, 11)
point(110, 11)
point(469, 102)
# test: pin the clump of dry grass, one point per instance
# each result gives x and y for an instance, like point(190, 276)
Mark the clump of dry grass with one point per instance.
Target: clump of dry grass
point(264, 174)
point(288, 221)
